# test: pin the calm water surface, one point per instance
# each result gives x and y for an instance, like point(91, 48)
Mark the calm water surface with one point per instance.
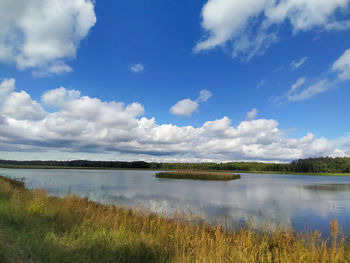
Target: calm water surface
point(302, 202)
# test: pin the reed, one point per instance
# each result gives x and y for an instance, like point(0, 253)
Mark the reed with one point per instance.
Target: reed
point(36, 227)
point(198, 175)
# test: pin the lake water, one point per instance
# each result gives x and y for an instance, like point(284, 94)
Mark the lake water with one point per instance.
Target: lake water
point(301, 202)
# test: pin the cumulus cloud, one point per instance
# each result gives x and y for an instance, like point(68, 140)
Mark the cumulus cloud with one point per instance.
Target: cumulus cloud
point(137, 68)
point(342, 65)
point(81, 124)
point(6, 87)
point(20, 106)
point(251, 26)
point(253, 114)
point(298, 63)
point(184, 107)
point(59, 97)
point(42, 34)
point(343, 143)
point(187, 106)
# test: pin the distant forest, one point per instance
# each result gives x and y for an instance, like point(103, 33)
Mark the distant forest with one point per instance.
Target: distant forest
point(311, 165)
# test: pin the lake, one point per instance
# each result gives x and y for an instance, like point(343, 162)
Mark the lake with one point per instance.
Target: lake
point(298, 201)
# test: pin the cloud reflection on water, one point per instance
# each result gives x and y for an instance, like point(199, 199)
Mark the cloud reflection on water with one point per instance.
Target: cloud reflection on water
point(303, 202)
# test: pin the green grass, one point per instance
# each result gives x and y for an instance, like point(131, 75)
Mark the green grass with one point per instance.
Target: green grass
point(198, 175)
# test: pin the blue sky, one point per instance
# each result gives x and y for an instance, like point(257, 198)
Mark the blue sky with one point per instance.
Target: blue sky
point(274, 78)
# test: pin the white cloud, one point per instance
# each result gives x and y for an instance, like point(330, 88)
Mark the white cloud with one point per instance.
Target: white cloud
point(251, 26)
point(81, 124)
point(187, 106)
point(341, 25)
point(59, 97)
point(295, 94)
point(253, 114)
point(204, 95)
point(300, 82)
point(184, 107)
point(56, 68)
point(225, 19)
point(298, 63)
point(342, 65)
point(43, 34)
point(20, 106)
point(6, 87)
point(137, 68)
point(344, 144)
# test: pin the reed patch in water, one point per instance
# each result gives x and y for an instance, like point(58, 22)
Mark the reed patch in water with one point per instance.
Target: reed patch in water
point(198, 175)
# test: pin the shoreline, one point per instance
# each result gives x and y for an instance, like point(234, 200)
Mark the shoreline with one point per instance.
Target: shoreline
point(157, 170)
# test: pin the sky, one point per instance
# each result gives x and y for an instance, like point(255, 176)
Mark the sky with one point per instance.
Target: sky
point(174, 81)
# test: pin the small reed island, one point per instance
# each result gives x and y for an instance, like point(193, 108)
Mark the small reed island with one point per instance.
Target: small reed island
point(198, 175)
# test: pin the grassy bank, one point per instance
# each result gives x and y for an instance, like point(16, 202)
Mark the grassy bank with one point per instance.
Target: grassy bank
point(39, 228)
point(198, 175)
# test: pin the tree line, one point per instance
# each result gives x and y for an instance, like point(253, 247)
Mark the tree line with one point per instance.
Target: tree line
point(310, 165)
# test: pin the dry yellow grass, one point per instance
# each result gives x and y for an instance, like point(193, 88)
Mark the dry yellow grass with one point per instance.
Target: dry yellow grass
point(50, 229)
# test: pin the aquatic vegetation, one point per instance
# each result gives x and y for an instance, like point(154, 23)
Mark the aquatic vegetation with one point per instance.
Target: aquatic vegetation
point(198, 175)
point(36, 227)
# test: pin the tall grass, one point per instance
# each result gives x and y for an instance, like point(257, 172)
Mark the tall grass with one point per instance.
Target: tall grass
point(198, 175)
point(36, 227)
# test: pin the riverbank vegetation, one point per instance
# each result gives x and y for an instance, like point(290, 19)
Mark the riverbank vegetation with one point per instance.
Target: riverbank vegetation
point(36, 227)
point(327, 166)
point(198, 175)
